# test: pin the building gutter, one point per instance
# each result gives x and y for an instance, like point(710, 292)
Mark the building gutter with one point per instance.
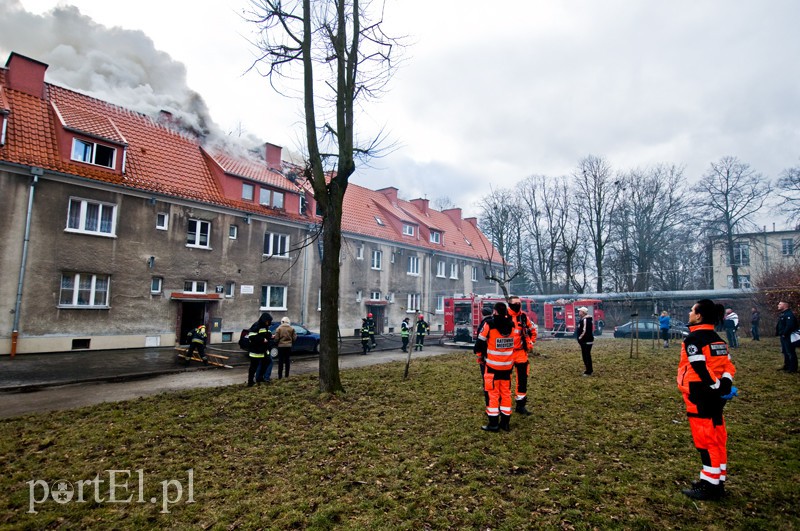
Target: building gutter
point(35, 173)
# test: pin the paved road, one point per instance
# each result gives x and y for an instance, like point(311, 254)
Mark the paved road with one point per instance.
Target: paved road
point(61, 397)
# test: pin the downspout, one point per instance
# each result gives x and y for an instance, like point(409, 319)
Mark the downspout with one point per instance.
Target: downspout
point(36, 173)
point(304, 294)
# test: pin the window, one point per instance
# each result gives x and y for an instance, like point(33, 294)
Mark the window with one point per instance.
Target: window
point(390, 297)
point(374, 295)
point(379, 221)
point(413, 265)
point(233, 232)
point(454, 271)
point(358, 296)
point(474, 273)
point(230, 289)
point(440, 304)
point(92, 153)
point(377, 259)
point(91, 217)
point(194, 286)
point(391, 259)
point(270, 198)
point(273, 297)
point(408, 230)
point(413, 303)
point(162, 221)
point(787, 247)
point(303, 205)
point(155, 284)
point(247, 191)
point(198, 233)
point(744, 281)
point(276, 245)
point(360, 252)
point(436, 237)
point(83, 290)
point(741, 254)
point(440, 269)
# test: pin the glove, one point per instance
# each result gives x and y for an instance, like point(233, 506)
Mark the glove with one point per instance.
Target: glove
point(729, 396)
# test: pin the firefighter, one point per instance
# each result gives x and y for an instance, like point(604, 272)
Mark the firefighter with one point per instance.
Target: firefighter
point(371, 325)
point(705, 378)
point(365, 337)
point(404, 333)
point(197, 341)
point(521, 345)
point(260, 339)
point(421, 330)
point(495, 344)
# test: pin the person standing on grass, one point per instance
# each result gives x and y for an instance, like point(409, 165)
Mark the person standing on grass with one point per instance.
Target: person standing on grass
point(787, 323)
point(755, 319)
point(495, 344)
point(731, 324)
point(585, 334)
point(705, 379)
point(285, 336)
point(521, 345)
point(664, 323)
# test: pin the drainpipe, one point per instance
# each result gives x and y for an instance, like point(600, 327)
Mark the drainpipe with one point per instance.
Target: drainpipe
point(36, 173)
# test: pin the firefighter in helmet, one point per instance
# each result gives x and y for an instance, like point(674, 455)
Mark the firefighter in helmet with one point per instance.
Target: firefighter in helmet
point(422, 331)
point(197, 341)
point(371, 325)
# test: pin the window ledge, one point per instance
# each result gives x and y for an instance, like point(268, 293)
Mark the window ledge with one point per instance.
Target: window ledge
point(81, 307)
point(90, 233)
point(200, 247)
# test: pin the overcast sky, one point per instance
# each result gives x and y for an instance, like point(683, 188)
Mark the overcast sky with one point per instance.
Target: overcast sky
point(491, 92)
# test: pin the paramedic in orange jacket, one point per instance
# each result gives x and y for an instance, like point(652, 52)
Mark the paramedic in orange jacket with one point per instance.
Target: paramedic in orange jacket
point(522, 339)
point(705, 378)
point(495, 343)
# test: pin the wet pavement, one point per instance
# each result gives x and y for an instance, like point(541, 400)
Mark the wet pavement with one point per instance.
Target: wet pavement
point(31, 383)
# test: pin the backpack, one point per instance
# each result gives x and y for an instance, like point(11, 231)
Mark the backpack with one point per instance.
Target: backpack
point(244, 339)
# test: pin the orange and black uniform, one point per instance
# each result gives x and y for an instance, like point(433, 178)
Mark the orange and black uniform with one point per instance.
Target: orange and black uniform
point(496, 345)
point(521, 364)
point(705, 374)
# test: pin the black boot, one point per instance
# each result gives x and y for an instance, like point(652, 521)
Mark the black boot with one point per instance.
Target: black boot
point(504, 422)
point(493, 424)
point(521, 409)
point(703, 490)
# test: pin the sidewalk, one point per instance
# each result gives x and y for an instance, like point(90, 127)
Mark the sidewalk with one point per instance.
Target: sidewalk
point(30, 372)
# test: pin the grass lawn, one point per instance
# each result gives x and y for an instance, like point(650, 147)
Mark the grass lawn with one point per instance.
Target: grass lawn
point(610, 451)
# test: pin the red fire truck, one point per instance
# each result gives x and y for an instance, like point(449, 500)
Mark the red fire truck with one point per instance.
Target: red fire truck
point(560, 315)
point(462, 315)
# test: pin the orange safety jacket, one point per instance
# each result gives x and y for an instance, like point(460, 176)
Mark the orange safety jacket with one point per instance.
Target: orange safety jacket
point(705, 370)
point(521, 329)
point(499, 347)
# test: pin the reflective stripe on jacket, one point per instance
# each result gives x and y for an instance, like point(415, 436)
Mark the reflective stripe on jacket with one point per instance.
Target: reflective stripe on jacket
point(499, 348)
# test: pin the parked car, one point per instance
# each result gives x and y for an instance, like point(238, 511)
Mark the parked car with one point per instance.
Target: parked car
point(649, 329)
point(307, 340)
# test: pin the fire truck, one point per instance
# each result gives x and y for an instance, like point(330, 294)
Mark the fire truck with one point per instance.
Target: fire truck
point(462, 315)
point(560, 316)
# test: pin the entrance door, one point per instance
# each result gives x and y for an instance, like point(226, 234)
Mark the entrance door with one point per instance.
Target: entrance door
point(191, 315)
point(378, 315)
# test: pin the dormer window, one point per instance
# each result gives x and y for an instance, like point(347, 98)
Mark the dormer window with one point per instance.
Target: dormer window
point(436, 237)
point(93, 153)
point(379, 221)
point(270, 198)
point(408, 230)
point(247, 191)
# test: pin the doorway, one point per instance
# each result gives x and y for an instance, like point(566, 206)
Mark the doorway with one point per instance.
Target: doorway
point(378, 315)
point(190, 316)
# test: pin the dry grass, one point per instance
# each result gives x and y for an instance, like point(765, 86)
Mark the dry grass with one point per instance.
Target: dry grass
point(611, 451)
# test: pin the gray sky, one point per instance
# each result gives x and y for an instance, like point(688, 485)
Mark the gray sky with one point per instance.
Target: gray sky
point(491, 92)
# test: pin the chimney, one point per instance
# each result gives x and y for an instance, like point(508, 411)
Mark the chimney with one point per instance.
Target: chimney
point(390, 193)
point(26, 74)
point(455, 215)
point(421, 204)
point(472, 221)
point(273, 155)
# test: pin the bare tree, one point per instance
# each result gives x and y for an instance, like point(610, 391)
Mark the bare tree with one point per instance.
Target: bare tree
point(443, 203)
point(598, 195)
point(499, 221)
point(789, 186)
point(544, 219)
point(730, 193)
point(355, 60)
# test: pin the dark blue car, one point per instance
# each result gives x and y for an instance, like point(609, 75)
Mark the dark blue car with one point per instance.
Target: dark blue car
point(307, 341)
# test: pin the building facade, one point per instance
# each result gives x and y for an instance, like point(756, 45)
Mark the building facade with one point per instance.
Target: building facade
point(754, 254)
point(122, 230)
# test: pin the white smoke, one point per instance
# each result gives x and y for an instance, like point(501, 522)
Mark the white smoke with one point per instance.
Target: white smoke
point(116, 65)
